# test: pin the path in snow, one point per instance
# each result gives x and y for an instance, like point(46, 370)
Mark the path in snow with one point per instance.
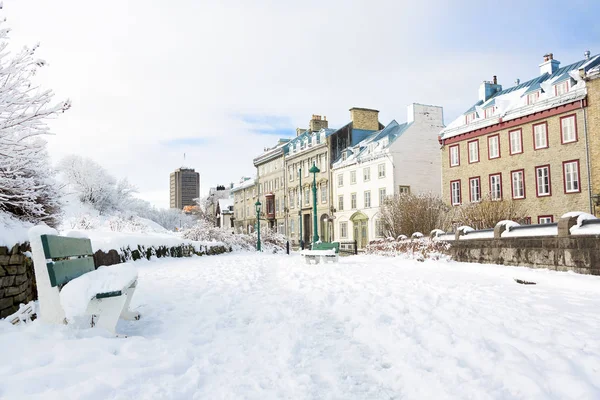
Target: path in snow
point(243, 326)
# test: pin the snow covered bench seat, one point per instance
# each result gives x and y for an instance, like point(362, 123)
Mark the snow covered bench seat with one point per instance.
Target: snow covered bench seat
point(325, 252)
point(69, 285)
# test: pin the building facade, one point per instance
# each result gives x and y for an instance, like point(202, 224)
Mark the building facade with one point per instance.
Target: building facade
point(529, 143)
point(244, 198)
point(271, 185)
point(401, 158)
point(184, 188)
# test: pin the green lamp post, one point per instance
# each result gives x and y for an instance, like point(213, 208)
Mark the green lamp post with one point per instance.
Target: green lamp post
point(258, 206)
point(313, 170)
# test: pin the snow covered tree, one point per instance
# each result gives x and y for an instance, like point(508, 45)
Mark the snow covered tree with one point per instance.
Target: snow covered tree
point(26, 187)
point(94, 185)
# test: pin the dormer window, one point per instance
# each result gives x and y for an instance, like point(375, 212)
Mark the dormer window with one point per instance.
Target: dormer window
point(561, 88)
point(489, 111)
point(532, 98)
point(344, 156)
point(470, 117)
point(385, 142)
point(371, 147)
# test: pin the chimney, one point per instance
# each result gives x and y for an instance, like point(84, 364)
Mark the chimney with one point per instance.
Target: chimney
point(517, 81)
point(300, 131)
point(487, 89)
point(550, 65)
point(317, 123)
point(587, 54)
point(364, 118)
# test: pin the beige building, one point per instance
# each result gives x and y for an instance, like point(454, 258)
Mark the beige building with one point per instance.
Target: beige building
point(533, 143)
point(271, 185)
point(244, 198)
point(184, 187)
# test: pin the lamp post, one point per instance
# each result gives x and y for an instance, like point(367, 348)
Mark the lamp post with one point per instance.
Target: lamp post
point(313, 170)
point(300, 205)
point(257, 206)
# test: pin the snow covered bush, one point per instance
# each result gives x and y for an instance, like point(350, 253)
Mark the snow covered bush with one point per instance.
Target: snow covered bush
point(417, 249)
point(27, 190)
point(404, 214)
point(204, 231)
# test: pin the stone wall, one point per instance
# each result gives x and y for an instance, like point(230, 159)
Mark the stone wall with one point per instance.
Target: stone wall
point(17, 283)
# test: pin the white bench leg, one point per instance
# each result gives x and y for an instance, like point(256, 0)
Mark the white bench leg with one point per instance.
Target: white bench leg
point(127, 314)
point(106, 312)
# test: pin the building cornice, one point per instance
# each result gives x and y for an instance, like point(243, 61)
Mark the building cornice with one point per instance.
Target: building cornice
point(501, 125)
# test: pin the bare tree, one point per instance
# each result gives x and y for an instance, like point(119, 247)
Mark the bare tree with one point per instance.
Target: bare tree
point(409, 213)
point(26, 186)
point(487, 213)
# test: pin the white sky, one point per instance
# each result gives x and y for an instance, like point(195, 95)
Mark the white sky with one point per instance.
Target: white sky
point(143, 73)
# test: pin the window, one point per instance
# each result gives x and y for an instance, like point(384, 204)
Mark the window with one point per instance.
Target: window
point(518, 184)
point(378, 228)
point(516, 141)
point(540, 136)
point(561, 88)
point(291, 198)
point(473, 151)
point(470, 117)
point(367, 199)
point(525, 221)
point(532, 98)
point(381, 196)
point(367, 174)
point(306, 168)
point(324, 162)
point(299, 196)
point(381, 170)
point(545, 219)
point(306, 196)
point(455, 197)
point(292, 225)
point(571, 176)
point(352, 177)
point(344, 156)
point(341, 203)
point(353, 201)
point(543, 180)
point(344, 229)
point(568, 129)
point(340, 180)
point(276, 205)
point(475, 189)
point(323, 193)
point(493, 146)
point(280, 228)
point(404, 189)
point(496, 187)
point(454, 155)
point(489, 111)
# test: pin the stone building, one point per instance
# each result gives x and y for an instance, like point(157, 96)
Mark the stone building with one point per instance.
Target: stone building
point(531, 143)
point(401, 158)
point(271, 185)
point(318, 145)
point(244, 198)
point(184, 187)
point(591, 75)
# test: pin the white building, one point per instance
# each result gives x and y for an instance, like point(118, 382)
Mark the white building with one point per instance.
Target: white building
point(401, 158)
point(224, 213)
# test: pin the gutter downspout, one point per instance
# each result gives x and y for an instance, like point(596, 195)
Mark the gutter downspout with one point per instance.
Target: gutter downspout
point(587, 155)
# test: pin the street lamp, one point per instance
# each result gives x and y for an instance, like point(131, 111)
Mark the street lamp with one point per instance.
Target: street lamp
point(300, 206)
point(258, 206)
point(313, 170)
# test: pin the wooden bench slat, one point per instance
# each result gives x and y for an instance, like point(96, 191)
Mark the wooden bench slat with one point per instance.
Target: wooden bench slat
point(327, 246)
point(63, 271)
point(109, 294)
point(60, 246)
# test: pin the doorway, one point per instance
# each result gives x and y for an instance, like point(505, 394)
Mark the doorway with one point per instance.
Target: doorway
point(360, 223)
point(307, 229)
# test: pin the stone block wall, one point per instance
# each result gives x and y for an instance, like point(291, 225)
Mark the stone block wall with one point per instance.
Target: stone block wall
point(17, 283)
point(579, 254)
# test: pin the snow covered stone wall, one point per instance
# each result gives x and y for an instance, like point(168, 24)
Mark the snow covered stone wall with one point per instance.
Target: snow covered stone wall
point(17, 284)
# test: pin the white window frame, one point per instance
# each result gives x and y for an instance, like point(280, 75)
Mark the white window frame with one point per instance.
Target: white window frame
point(561, 88)
point(515, 139)
point(473, 151)
point(572, 129)
point(454, 155)
point(367, 199)
point(381, 170)
point(353, 201)
point(518, 184)
point(352, 177)
point(540, 183)
point(545, 220)
point(382, 194)
point(489, 112)
point(540, 131)
point(366, 174)
point(475, 195)
point(533, 98)
point(571, 176)
point(344, 229)
point(340, 179)
point(341, 202)
point(496, 187)
point(455, 195)
point(495, 139)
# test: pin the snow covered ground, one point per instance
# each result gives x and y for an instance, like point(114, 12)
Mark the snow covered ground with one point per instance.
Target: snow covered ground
point(248, 326)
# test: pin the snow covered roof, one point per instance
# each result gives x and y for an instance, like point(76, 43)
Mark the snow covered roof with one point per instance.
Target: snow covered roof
point(224, 205)
point(372, 146)
point(307, 140)
point(512, 102)
point(243, 185)
point(272, 152)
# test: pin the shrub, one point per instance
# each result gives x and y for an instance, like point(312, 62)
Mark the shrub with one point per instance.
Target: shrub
point(404, 214)
point(487, 213)
point(417, 249)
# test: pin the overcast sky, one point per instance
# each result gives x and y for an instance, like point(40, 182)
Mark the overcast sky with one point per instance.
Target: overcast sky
point(220, 80)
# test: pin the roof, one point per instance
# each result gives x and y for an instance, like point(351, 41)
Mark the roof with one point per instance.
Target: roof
point(373, 145)
point(243, 185)
point(512, 102)
point(224, 205)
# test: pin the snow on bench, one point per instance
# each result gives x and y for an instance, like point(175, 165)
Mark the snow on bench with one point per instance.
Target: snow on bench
point(69, 285)
point(325, 252)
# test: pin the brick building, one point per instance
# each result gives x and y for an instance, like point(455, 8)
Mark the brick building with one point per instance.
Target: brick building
point(533, 143)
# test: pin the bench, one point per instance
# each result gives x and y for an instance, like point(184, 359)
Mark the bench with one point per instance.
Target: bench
point(69, 285)
point(322, 252)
